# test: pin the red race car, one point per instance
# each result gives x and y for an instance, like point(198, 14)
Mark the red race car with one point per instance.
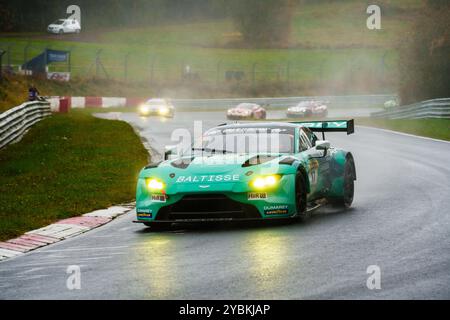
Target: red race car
point(247, 111)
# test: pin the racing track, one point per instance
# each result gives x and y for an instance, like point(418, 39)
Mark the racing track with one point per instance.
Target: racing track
point(400, 221)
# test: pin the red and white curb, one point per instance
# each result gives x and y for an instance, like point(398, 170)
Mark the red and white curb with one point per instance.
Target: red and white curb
point(64, 104)
point(59, 231)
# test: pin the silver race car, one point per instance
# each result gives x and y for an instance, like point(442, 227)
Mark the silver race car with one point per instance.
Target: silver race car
point(306, 109)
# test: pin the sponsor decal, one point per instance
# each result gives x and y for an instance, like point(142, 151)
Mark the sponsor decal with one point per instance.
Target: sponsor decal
point(144, 214)
point(59, 76)
point(257, 195)
point(208, 178)
point(276, 210)
point(158, 197)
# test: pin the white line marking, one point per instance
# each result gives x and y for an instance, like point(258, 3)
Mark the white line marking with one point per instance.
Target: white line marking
point(30, 270)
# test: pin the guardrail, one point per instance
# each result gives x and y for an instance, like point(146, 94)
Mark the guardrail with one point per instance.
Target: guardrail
point(16, 121)
point(436, 108)
point(277, 103)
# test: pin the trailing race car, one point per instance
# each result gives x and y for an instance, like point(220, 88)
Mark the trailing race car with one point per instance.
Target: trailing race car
point(308, 109)
point(247, 111)
point(249, 171)
point(158, 107)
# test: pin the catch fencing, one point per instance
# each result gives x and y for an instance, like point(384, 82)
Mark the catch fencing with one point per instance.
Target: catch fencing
point(15, 122)
point(354, 101)
point(436, 108)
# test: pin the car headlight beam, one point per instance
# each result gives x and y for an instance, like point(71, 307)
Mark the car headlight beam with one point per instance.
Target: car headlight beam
point(265, 182)
point(154, 184)
point(163, 111)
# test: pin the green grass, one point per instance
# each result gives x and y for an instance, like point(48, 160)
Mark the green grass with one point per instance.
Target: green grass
point(331, 48)
point(432, 128)
point(67, 165)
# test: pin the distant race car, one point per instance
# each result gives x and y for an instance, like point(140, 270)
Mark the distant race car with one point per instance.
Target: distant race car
point(308, 109)
point(391, 104)
point(247, 111)
point(248, 171)
point(62, 26)
point(158, 107)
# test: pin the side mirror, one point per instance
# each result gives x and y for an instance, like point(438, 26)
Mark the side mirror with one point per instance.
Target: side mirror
point(323, 145)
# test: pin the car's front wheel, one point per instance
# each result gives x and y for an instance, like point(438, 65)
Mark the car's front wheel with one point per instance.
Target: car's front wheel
point(301, 198)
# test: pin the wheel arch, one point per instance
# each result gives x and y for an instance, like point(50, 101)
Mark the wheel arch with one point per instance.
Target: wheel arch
point(349, 157)
point(301, 169)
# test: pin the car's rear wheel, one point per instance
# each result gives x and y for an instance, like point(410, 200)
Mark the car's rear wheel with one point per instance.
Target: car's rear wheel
point(159, 226)
point(301, 198)
point(349, 186)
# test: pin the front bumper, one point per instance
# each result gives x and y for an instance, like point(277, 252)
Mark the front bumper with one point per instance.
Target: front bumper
point(151, 113)
point(218, 205)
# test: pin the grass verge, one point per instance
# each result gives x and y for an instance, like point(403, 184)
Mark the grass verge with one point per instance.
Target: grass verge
point(431, 128)
point(67, 165)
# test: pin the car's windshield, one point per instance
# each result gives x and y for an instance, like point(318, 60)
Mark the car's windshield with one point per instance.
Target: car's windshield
point(60, 21)
point(247, 106)
point(247, 140)
point(158, 102)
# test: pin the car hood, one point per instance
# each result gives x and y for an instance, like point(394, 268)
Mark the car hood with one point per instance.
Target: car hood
point(216, 164)
point(220, 172)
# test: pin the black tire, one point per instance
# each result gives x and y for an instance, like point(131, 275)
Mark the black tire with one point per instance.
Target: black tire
point(349, 186)
point(301, 198)
point(61, 32)
point(159, 226)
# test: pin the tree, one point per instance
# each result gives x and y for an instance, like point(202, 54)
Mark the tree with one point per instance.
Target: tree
point(263, 23)
point(424, 59)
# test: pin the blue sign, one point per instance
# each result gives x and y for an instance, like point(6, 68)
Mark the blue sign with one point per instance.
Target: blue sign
point(57, 56)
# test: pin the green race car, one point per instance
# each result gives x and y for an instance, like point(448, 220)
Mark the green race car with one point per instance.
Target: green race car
point(249, 171)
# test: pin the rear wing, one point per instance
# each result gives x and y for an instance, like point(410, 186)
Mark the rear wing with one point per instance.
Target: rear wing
point(347, 126)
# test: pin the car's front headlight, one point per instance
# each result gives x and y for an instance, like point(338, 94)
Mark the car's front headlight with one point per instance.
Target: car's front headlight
point(265, 182)
point(144, 109)
point(163, 110)
point(154, 184)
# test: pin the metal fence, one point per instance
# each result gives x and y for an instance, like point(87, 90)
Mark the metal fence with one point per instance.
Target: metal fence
point(15, 122)
point(353, 101)
point(436, 108)
point(349, 68)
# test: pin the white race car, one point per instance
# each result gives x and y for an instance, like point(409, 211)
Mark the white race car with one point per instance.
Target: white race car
point(158, 107)
point(306, 109)
point(63, 26)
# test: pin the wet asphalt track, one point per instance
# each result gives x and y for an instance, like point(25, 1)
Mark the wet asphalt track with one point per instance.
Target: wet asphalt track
point(400, 221)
